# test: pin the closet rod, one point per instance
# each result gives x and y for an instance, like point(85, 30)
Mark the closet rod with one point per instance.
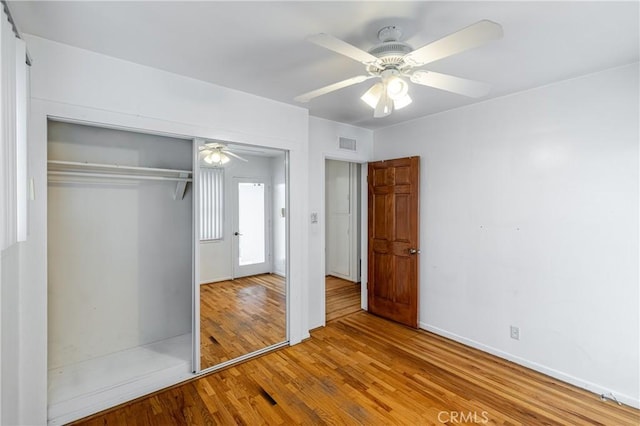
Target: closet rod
point(116, 166)
point(119, 176)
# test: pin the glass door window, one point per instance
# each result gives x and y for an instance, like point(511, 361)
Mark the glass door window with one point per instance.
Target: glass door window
point(251, 223)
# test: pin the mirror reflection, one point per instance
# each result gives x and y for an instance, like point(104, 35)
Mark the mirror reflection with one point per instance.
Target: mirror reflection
point(242, 195)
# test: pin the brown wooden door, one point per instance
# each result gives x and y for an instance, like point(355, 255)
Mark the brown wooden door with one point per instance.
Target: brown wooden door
point(393, 239)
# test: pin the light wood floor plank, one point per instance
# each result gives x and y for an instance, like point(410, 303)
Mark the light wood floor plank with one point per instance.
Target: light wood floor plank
point(342, 297)
point(361, 369)
point(241, 316)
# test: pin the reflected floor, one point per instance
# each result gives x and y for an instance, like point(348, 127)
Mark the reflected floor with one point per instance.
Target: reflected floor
point(241, 316)
point(343, 297)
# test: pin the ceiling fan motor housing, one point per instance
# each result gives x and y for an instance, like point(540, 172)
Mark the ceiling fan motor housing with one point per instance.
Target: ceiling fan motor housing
point(391, 51)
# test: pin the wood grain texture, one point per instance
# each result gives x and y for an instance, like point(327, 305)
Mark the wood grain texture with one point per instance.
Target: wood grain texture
point(342, 297)
point(393, 236)
point(362, 369)
point(241, 316)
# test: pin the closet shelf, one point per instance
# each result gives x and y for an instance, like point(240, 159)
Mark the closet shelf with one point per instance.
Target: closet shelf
point(116, 171)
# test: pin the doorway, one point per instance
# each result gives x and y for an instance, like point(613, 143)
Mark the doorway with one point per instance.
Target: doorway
point(342, 238)
point(251, 236)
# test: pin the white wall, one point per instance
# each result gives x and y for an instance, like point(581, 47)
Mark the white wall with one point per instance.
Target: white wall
point(323, 144)
point(80, 85)
point(216, 257)
point(529, 217)
point(9, 297)
point(116, 246)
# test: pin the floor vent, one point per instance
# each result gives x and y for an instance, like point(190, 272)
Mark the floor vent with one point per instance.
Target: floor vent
point(348, 144)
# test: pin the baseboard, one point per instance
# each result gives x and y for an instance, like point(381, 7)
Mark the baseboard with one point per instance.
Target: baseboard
point(216, 280)
point(280, 274)
point(584, 384)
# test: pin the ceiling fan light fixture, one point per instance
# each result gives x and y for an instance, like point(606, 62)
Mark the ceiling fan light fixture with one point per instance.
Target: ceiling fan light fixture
point(372, 96)
point(384, 107)
point(217, 158)
point(402, 102)
point(397, 88)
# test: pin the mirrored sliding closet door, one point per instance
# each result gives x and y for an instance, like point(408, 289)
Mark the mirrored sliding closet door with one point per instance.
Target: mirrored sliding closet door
point(242, 299)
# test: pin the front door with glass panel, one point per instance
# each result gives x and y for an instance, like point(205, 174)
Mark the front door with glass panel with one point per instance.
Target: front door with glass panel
point(251, 229)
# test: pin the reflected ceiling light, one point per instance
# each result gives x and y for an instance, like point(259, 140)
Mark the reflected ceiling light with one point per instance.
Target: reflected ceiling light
point(216, 157)
point(217, 154)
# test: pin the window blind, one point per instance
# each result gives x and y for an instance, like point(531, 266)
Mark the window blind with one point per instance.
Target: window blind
point(211, 203)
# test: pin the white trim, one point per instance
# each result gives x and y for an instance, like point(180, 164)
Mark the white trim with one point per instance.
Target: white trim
point(216, 280)
point(567, 378)
point(22, 114)
point(195, 260)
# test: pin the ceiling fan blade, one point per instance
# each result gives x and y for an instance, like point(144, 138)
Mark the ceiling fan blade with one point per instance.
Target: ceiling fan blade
point(211, 145)
point(235, 155)
point(462, 86)
point(332, 87)
point(472, 36)
point(342, 47)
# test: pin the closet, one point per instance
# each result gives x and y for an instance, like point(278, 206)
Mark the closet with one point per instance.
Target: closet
point(120, 265)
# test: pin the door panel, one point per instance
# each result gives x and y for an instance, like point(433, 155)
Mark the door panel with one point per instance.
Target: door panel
point(393, 193)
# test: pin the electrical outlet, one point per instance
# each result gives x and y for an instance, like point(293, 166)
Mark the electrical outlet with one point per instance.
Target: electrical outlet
point(515, 332)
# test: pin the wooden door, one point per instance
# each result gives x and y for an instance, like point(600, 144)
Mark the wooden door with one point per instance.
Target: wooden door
point(393, 239)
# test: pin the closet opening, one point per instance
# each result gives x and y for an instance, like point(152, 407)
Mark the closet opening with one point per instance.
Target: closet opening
point(120, 266)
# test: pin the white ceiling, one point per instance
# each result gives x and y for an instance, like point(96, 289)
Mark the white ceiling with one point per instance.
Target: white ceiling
point(260, 48)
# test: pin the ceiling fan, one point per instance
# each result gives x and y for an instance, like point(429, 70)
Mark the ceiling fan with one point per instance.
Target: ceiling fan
point(217, 154)
point(393, 61)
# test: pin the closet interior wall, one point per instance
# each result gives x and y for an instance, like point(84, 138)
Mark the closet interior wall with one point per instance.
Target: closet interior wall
point(119, 258)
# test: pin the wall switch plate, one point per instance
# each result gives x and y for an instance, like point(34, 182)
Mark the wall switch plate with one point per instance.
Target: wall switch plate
point(314, 217)
point(515, 332)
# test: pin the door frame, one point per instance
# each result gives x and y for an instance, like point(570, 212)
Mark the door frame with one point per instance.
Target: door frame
point(267, 266)
point(364, 242)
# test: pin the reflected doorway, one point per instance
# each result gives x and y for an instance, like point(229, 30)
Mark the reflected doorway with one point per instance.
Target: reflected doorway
point(251, 248)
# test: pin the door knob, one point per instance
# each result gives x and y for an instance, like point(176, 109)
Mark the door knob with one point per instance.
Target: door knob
point(414, 251)
point(237, 234)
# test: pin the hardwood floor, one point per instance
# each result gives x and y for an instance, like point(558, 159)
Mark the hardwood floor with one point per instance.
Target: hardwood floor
point(361, 369)
point(343, 297)
point(241, 316)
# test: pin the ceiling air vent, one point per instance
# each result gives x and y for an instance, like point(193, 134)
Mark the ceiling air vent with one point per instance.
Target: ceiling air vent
point(348, 144)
